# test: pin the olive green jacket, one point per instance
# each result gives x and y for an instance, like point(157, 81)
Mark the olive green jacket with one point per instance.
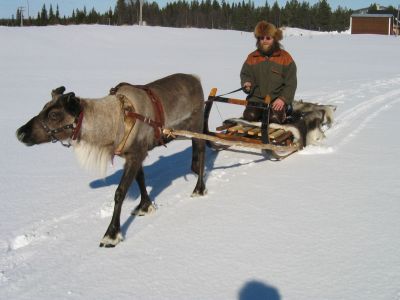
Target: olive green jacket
point(274, 76)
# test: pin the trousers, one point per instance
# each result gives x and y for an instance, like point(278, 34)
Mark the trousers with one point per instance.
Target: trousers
point(253, 113)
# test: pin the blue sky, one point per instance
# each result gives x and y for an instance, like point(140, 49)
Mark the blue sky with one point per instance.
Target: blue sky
point(9, 7)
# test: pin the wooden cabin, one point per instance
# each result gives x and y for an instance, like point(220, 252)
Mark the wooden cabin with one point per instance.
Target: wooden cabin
point(371, 24)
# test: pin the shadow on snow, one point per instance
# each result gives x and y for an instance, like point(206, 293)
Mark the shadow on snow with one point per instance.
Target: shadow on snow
point(256, 290)
point(161, 174)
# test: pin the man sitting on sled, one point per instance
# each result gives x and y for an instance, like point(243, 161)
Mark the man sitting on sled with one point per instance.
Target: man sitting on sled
point(268, 72)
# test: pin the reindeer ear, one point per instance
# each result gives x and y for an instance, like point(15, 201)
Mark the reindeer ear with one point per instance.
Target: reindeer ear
point(72, 104)
point(57, 92)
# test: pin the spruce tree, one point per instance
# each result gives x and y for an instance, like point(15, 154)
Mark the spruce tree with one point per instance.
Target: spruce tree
point(265, 12)
point(18, 16)
point(57, 13)
point(324, 15)
point(44, 19)
point(51, 15)
point(121, 12)
point(276, 14)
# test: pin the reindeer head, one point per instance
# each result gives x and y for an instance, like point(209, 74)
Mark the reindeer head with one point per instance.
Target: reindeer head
point(56, 121)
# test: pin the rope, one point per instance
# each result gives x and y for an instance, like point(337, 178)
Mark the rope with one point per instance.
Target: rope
point(220, 115)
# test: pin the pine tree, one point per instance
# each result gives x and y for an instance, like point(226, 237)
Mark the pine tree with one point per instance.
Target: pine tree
point(276, 14)
point(304, 16)
point(109, 16)
point(265, 12)
point(324, 15)
point(44, 19)
point(73, 18)
point(38, 20)
point(51, 15)
point(121, 12)
point(372, 8)
point(289, 13)
point(18, 16)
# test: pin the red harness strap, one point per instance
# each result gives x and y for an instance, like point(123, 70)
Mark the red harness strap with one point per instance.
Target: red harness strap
point(155, 124)
point(76, 130)
point(159, 121)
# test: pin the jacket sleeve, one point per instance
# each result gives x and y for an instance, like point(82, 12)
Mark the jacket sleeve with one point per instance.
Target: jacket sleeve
point(246, 74)
point(290, 83)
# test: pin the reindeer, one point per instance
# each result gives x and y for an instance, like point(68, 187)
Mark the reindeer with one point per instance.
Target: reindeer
point(128, 123)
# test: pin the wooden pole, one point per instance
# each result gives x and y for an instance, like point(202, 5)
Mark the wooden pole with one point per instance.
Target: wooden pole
point(190, 134)
point(141, 13)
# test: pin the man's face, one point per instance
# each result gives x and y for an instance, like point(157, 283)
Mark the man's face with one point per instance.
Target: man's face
point(265, 42)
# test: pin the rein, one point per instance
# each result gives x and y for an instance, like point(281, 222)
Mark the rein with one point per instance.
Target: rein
point(239, 89)
point(75, 126)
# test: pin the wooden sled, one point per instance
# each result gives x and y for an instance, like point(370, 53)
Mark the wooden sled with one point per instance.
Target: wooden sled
point(271, 139)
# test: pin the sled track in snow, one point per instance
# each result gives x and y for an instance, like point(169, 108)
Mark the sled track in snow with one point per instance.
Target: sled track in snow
point(384, 94)
point(369, 118)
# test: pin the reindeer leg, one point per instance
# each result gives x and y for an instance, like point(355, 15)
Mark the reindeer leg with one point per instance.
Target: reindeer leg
point(195, 157)
point(199, 149)
point(113, 234)
point(145, 206)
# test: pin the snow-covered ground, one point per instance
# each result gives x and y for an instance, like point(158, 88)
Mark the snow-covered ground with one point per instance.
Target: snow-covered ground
point(322, 224)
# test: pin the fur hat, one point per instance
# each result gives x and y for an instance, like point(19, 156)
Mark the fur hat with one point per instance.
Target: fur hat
point(264, 28)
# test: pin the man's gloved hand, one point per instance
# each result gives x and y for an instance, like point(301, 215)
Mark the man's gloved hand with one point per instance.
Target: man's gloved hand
point(247, 87)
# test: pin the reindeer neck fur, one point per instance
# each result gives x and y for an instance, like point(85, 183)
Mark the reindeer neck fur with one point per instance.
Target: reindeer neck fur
point(101, 129)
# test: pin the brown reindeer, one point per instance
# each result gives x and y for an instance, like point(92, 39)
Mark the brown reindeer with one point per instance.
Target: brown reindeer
point(127, 123)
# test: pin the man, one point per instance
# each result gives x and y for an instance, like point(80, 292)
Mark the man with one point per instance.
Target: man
point(268, 72)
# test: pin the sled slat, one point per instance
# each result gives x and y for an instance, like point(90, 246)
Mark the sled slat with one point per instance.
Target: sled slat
point(254, 131)
point(270, 131)
point(245, 129)
point(283, 137)
point(234, 128)
point(276, 133)
point(223, 127)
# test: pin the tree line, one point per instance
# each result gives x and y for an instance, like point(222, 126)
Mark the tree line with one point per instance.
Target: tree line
point(201, 14)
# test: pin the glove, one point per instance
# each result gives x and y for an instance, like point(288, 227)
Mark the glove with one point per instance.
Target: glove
point(247, 87)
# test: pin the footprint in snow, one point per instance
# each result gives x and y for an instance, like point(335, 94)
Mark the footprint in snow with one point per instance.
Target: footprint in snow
point(22, 241)
point(106, 210)
point(3, 277)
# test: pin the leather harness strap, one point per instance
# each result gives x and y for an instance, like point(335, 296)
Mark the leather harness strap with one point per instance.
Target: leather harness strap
point(126, 107)
point(159, 121)
point(130, 115)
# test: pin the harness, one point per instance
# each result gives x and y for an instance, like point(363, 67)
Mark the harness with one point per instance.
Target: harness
point(130, 115)
point(75, 126)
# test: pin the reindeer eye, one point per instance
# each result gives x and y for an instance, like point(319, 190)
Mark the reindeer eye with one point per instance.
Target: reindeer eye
point(54, 115)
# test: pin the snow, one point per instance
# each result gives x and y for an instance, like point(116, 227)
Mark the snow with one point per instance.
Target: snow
point(322, 224)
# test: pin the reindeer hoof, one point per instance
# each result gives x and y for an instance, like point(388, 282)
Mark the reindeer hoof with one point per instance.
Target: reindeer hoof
point(144, 210)
point(198, 193)
point(108, 242)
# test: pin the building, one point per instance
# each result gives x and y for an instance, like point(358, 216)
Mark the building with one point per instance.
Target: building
point(372, 24)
